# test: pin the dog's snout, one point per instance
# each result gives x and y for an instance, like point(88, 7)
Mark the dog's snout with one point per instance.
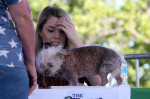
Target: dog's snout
point(47, 71)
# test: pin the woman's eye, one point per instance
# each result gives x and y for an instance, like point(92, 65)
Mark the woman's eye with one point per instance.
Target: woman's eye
point(61, 31)
point(50, 30)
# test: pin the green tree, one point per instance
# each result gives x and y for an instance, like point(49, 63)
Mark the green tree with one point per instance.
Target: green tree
point(36, 7)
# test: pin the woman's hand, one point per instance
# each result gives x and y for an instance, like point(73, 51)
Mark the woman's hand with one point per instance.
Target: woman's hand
point(66, 25)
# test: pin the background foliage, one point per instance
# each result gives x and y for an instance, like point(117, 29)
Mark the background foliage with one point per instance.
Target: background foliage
point(123, 26)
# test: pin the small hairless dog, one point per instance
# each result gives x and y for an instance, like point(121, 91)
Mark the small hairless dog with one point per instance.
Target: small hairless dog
point(79, 62)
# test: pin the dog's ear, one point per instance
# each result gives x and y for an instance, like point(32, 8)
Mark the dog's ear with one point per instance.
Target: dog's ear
point(62, 54)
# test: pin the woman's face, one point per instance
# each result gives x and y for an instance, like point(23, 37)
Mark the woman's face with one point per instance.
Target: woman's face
point(50, 33)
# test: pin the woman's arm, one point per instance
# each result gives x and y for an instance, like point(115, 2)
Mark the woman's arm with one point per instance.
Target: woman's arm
point(21, 16)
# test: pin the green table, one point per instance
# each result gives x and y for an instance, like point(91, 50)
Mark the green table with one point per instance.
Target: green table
point(140, 93)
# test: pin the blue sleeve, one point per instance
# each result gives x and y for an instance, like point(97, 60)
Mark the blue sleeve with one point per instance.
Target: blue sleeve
point(11, 2)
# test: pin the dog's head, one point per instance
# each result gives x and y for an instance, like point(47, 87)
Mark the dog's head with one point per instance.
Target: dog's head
point(49, 61)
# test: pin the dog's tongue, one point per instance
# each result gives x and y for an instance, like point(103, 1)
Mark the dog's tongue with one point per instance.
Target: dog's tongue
point(47, 45)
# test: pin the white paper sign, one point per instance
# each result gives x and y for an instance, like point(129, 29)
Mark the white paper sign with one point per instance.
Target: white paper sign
point(117, 92)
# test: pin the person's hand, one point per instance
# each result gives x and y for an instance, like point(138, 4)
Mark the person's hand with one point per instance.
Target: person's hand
point(32, 78)
point(67, 26)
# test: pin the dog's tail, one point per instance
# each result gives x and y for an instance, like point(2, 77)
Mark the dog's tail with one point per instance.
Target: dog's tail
point(117, 72)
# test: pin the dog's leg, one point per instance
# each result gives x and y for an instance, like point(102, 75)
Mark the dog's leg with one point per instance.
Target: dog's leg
point(70, 82)
point(116, 73)
point(73, 79)
point(104, 78)
point(119, 79)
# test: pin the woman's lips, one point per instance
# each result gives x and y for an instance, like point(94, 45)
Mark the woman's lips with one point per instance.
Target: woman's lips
point(55, 44)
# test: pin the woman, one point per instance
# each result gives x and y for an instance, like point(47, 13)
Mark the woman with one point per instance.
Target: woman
point(17, 55)
point(55, 27)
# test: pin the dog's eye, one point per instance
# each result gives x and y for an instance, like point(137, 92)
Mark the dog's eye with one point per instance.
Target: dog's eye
point(50, 64)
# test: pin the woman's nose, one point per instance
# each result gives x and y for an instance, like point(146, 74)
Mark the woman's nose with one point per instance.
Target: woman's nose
point(57, 34)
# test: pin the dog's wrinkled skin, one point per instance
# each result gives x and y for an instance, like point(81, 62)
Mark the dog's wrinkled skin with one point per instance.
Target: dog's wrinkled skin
point(75, 63)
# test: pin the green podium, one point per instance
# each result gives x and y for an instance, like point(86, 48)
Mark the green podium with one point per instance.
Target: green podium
point(140, 93)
